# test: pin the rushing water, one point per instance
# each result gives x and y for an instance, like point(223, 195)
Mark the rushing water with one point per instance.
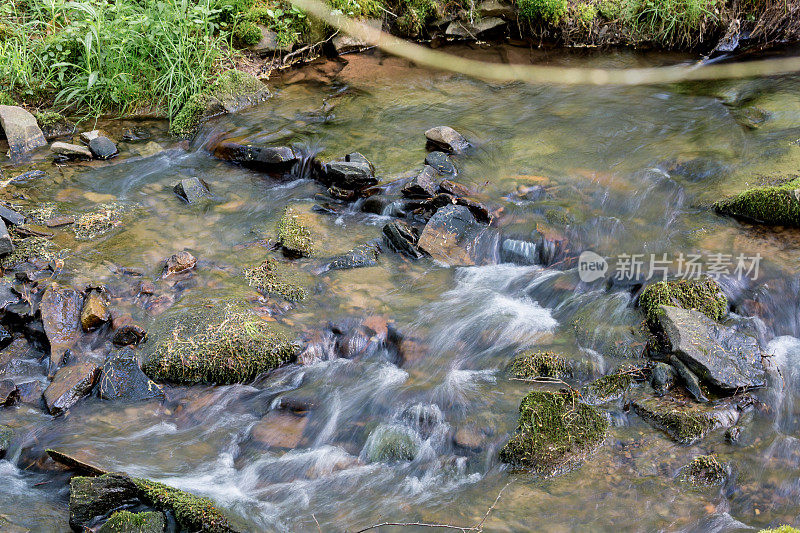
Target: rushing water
point(631, 170)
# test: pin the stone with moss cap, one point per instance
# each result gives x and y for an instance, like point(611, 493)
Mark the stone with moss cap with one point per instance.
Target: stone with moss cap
point(781, 529)
point(535, 364)
point(555, 433)
point(704, 470)
point(275, 277)
point(128, 522)
point(612, 386)
point(90, 497)
point(294, 236)
point(705, 295)
point(193, 513)
point(231, 348)
point(777, 205)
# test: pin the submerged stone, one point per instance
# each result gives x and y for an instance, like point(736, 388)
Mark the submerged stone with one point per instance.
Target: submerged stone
point(192, 190)
point(75, 464)
point(777, 205)
point(363, 255)
point(275, 277)
point(69, 385)
point(391, 442)
point(21, 129)
point(95, 311)
point(122, 379)
point(609, 387)
point(720, 355)
point(555, 433)
point(60, 309)
point(535, 364)
point(294, 236)
point(128, 522)
point(179, 262)
point(448, 139)
point(441, 163)
point(704, 470)
point(450, 236)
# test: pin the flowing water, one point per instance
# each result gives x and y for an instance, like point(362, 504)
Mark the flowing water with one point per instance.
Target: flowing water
point(627, 170)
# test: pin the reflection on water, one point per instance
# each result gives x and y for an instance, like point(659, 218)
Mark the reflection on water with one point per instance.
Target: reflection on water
point(626, 170)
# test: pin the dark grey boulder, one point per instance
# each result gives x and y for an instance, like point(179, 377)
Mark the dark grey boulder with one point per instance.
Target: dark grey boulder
point(92, 497)
point(193, 190)
point(451, 236)
point(6, 245)
point(402, 238)
point(122, 379)
point(11, 216)
point(720, 355)
point(441, 162)
point(102, 147)
point(262, 158)
point(447, 139)
point(21, 129)
point(69, 385)
point(350, 175)
point(364, 255)
point(662, 377)
point(423, 185)
point(689, 379)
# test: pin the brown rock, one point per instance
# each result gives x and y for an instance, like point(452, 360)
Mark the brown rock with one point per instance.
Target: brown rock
point(279, 430)
point(179, 262)
point(69, 385)
point(61, 315)
point(469, 439)
point(95, 311)
point(129, 335)
point(454, 188)
point(56, 222)
point(9, 394)
point(147, 287)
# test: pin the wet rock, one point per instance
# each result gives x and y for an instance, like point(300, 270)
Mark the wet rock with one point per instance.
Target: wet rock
point(122, 379)
point(6, 434)
point(720, 355)
point(608, 388)
point(88, 136)
point(103, 148)
point(447, 139)
point(555, 433)
point(270, 159)
point(441, 163)
point(684, 420)
point(468, 439)
point(192, 513)
point(74, 463)
point(95, 310)
point(134, 135)
point(423, 185)
point(704, 470)
point(9, 394)
point(10, 216)
point(532, 193)
point(520, 252)
point(294, 235)
point(70, 151)
point(179, 262)
point(662, 377)
point(128, 334)
point(391, 442)
point(279, 430)
point(750, 117)
point(478, 209)
point(69, 385)
point(466, 29)
point(733, 434)
point(91, 497)
point(689, 379)
point(147, 287)
point(193, 190)
point(21, 130)
point(30, 392)
point(358, 157)
point(6, 246)
point(402, 238)
point(777, 205)
point(352, 175)
point(454, 188)
point(57, 222)
point(60, 308)
point(55, 125)
point(128, 522)
point(364, 255)
point(450, 236)
point(704, 295)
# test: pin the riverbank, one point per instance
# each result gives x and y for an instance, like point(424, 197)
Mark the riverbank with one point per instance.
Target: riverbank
point(154, 59)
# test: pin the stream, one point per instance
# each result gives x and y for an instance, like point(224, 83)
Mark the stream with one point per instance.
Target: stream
point(626, 170)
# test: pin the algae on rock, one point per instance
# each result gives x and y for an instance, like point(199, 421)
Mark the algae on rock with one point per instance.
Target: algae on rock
point(555, 433)
point(275, 277)
point(704, 295)
point(293, 235)
point(102, 220)
point(536, 364)
point(193, 513)
point(773, 205)
point(704, 470)
point(128, 522)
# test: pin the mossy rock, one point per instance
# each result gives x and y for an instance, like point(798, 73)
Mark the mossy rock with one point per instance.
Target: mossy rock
point(223, 347)
point(781, 529)
point(704, 470)
point(276, 277)
point(535, 364)
point(555, 433)
point(31, 249)
point(777, 205)
point(100, 221)
point(294, 235)
point(90, 497)
point(128, 522)
point(704, 295)
point(683, 420)
point(389, 442)
point(193, 513)
point(612, 386)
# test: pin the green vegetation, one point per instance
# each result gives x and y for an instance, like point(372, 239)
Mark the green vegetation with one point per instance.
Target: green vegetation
point(128, 522)
point(414, 14)
point(231, 348)
point(49, 118)
point(274, 277)
point(549, 11)
point(32, 248)
point(533, 364)
point(287, 21)
point(609, 9)
point(670, 22)
point(192, 512)
point(294, 236)
point(584, 14)
point(6, 99)
point(781, 529)
point(556, 432)
point(778, 205)
point(607, 388)
point(704, 295)
point(704, 470)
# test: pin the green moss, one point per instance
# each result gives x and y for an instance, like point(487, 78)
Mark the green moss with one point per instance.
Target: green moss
point(549, 11)
point(683, 421)
point(192, 512)
point(49, 118)
point(6, 99)
point(584, 14)
point(704, 470)
point(610, 9)
point(274, 277)
point(781, 529)
point(128, 522)
point(607, 388)
point(357, 8)
point(415, 13)
point(246, 33)
point(293, 235)
point(190, 116)
point(234, 348)
point(559, 217)
point(392, 443)
point(534, 364)
point(774, 205)
point(236, 83)
point(556, 432)
point(287, 21)
point(704, 295)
